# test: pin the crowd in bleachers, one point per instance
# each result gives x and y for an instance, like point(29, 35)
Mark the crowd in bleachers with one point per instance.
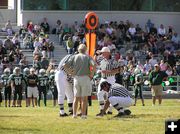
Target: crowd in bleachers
point(130, 44)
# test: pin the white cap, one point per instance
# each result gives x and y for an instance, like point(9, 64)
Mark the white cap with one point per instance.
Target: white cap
point(105, 49)
point(156, 65)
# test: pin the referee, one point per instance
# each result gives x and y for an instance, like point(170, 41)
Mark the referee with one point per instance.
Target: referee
point(118, 97)
point(108, 68)
point(64, 83)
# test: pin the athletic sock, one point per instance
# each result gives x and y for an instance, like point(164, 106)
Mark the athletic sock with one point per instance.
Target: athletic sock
point(61, 110)
point(118, 108)
point(110, 108)
point(101, 103)
point(70, 107)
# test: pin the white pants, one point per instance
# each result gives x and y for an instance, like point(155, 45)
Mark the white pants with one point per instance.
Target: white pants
point(123, 102)
point(102, 94)
point(63, 87)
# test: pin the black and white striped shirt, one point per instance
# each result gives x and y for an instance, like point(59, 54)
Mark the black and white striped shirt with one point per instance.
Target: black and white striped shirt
point(68, 70)
point(108, 65)
point(62, 62)
point(119, 91)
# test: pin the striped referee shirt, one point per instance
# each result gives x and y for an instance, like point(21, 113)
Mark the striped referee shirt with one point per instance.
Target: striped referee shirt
point(62, 62)
point(66, 71)
point(119, 91)
point(108, 65)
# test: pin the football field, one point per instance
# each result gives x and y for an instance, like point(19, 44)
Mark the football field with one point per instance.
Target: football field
point(45, 120)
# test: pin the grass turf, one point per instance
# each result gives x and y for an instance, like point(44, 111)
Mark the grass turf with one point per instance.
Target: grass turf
point(45, 120)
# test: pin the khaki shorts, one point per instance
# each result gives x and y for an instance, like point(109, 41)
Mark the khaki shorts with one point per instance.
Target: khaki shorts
point(32, 91)
point(156, 90)
point(82, 86)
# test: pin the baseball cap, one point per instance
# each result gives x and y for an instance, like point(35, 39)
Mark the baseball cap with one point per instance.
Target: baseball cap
point(105, 49)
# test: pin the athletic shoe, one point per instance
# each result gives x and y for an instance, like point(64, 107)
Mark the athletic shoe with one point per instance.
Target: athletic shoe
point(143, 104)
point(127, 112)
point(83, 117)
point(109, 112)
point(74, 116)
point(63, 115)
point(71, 113)
point(101, 113)
point(120, 114)
point(79, 114)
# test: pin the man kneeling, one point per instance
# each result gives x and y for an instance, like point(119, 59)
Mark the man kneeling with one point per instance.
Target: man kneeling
point(118, 97)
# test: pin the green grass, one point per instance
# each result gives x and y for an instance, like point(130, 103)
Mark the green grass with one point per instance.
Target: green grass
point(45, 120)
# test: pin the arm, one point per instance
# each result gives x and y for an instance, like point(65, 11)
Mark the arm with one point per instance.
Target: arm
point(113, 72)
point(107, 103)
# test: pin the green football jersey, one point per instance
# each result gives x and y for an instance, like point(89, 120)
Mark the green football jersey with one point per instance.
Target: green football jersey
point(17, 79)
point(43, 80)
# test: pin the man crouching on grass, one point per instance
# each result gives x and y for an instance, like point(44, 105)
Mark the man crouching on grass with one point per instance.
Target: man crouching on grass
point(118, 97)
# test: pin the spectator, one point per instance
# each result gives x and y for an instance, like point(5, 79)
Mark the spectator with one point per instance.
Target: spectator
point(8, 44)
point(8, 28)
point(51, 50)
point(70, 45)
point(16, 41)
point(161, 31)
point(45, 25)
point(147, 67)
point(169, 70)
point(44, 63)
point(163, 66)
point(3, 52)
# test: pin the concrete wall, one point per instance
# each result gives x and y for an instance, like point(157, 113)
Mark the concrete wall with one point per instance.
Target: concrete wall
point(7, 14)
point(69, 17)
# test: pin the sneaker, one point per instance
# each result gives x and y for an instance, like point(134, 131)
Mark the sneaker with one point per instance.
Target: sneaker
point(71, 113)
point(74, 116)
point(101, 113)
point(120, 114)
point(79, 114)
point(63, 115)
point(109, 112)
point(83, 117)
point(127, 112)
point(143, 104)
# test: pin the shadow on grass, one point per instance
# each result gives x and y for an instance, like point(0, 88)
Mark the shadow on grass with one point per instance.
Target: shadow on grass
point(19, 129)
point(130, 117)
point(15, 116)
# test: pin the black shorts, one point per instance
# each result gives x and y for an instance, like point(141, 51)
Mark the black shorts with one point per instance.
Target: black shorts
point(54, 93)
point(7, 93)
point(0, 97)
point(18, 91)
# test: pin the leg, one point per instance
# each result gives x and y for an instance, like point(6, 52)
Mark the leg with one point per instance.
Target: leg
point(39, 97)
point(136, 95)
point(15, 98)
point(141, 95)
point(84, 105)
point(75, 106)
point(5, 96)
point(45, 95)
point(70, 95)
point(154, 100)
point(59, 77)
point(159, 99)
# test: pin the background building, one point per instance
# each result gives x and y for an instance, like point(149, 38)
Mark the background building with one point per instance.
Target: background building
point(137, 11)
